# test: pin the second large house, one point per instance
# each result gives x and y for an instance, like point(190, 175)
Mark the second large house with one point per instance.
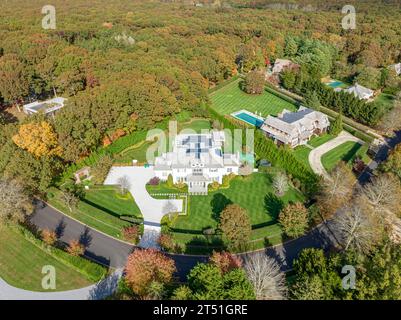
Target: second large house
point(295, 128)
point(197, 160)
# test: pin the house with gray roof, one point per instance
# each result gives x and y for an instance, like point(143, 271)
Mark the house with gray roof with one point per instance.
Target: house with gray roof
point(360, 92)
point(295, 128)
point(197, 160)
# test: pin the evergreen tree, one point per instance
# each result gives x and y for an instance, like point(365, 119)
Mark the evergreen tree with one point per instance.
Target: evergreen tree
point(337, 125)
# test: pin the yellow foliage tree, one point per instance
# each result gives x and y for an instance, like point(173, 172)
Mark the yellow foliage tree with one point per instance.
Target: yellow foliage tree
point(38, 139)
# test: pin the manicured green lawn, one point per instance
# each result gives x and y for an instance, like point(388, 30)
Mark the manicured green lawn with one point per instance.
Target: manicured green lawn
point(319, 140)
point(231, 98)
point(254, 193)
point(130, 154)
point(197, 125)
point(344, 152)
point(101, 209)
point(302, 154)
point(21, 264)
point(109, 200)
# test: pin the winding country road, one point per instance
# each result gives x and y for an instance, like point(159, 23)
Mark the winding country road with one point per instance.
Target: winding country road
point(113, 253)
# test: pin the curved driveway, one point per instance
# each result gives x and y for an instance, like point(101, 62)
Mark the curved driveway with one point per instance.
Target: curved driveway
point(315, 156)
point(152, 209)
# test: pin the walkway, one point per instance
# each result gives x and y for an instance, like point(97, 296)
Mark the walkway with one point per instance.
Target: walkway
point(97, 291)
point(315, 156)
point(152, 209)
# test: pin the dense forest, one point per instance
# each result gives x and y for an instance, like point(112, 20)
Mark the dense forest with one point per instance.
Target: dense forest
point(126, 65)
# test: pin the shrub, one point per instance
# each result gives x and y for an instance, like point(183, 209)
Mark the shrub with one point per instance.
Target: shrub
point(131, 233)
point(49, 237)
point(166, 242)
point(155, 181)
point(101, 169)
point(75, 248)
point(170, 182)
point(225, 261)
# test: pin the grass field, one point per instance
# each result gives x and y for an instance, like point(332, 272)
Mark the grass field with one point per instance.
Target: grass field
point(101, 209)
point(21, 264)
point(344, 152)
point(130, 154)
point(109, 200)
point(387, 100)
point(197, 125)
point(254, 193)
point(231, 98)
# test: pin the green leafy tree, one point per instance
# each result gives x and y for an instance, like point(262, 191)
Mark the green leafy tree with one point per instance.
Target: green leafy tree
point(207, 282)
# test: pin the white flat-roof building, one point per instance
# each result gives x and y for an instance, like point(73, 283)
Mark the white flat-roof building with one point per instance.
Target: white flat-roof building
point(48, 107)
point(295, 128)
point(197, 160)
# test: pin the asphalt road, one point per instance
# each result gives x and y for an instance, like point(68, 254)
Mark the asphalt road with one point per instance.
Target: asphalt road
point(113, 253)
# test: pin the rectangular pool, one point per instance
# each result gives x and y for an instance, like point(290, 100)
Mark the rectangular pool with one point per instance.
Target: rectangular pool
point(249, 118)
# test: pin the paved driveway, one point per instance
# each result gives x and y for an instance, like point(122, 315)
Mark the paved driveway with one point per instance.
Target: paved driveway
point(315, 156)
point(152, 209)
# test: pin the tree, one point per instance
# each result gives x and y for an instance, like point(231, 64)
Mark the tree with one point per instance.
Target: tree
point(49, 237)
point(14, 78)
point(288, 78)
point(101, 169)
point(265, 275)
point(391, 121)
point(236, 226)
point(145, 267)
point(313, 101)
point(15, 203)
point(280, 184)
point(182, 293)
point(75, 248)
point(336, 191)
point(124, 184)
point(291, 47)
point(337, 125)
point(207, 282)
point(225, 261)
point(71, 193)
point(294, 219)
point(358, 228)
point(38, 139)
point(393, 163)
point(369, 77)
point(384, 194)
point(254, 82)
point(313, 271)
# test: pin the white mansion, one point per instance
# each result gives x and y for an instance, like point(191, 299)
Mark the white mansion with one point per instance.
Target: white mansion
point(197, 160)
point(295, 128)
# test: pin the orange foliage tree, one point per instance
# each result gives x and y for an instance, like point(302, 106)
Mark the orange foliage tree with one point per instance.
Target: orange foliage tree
point(225, 261)
point(38, 139)
point(146, 267)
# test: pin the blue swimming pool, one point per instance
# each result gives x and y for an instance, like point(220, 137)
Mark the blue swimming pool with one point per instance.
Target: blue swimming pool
point(249, 119)
point(335, 84)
